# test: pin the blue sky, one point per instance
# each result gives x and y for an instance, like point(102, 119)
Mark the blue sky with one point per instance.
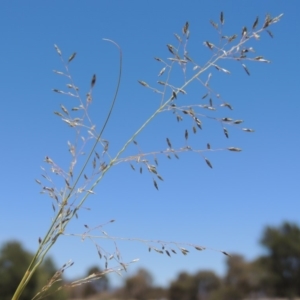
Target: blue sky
point(223, 208)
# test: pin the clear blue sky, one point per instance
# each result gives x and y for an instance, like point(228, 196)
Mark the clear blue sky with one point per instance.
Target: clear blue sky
point(224, 208)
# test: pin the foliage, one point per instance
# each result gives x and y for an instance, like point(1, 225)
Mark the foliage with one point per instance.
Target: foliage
point(194, 287)
point(138, 286)
point(283, 259)
point(14, 261)
point(97, 286)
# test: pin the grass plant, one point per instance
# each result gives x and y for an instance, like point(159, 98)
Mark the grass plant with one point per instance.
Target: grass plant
point(85, 172)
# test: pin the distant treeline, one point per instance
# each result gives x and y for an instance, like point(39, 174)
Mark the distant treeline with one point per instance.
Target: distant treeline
point(276, 274)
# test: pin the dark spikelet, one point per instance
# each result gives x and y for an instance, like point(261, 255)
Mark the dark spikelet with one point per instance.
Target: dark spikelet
point(222, 18)
point(174, 96)
point(231, 38)
point(132, 167)
point(199, 248)
point(255, 23)
point(267, 21)
point(244, 31)
point(238, 121)
point(160, 178)
point(209, 45)
point(169, 143)
point(186, 134)
point(155, 184)
point(93, 81)
point(270, 33)
point(58, 114)
point(185, 28)
point(208, 145)
point(168, 253)
point(234, 149)
point(208, 163)
point(143, 83)
point(227, 105)
point(72, 57)
point(246, 70)
point(225, 132)
point(198, 122)
point(40, 240)
point(171, 48)
point(57, 91)
point(225, 253)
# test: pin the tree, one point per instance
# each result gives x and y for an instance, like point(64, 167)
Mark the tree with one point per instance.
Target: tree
point(207, 282)
point(139, 285)
point(97, 286)
point(14, 261)
point(194, 287)
point(283, 259)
